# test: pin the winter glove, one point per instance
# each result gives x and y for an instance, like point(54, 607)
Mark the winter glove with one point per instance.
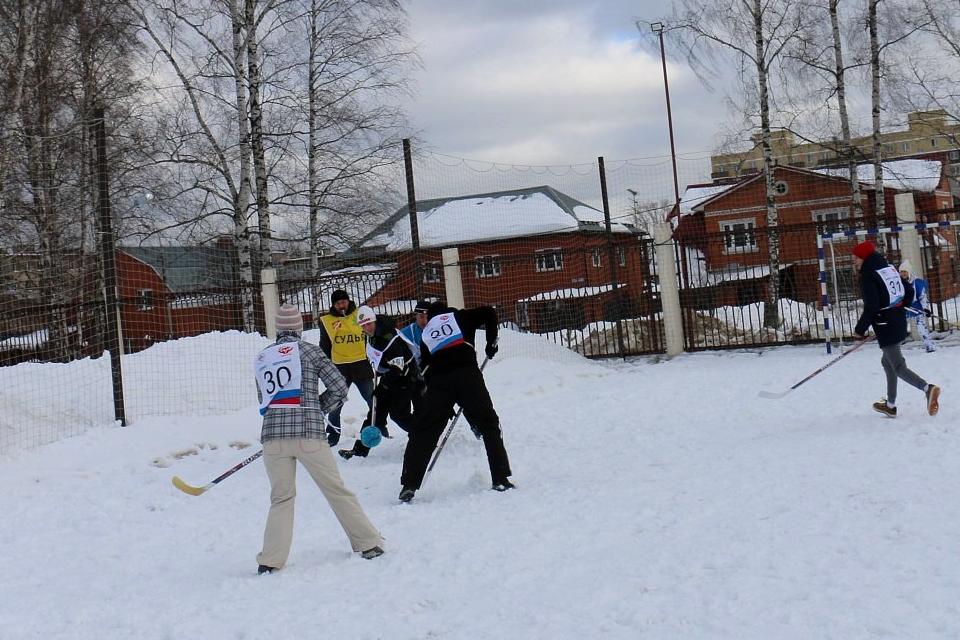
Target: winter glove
point(491, 350)
point(333, 435)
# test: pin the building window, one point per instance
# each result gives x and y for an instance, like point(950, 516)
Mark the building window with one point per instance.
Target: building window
point(432, 272)
point(549, 260)
point(905, 147)
point(622, 256)
point(144, 299)
point(780, 188)
point(954, 155)
point(488, 266)
point(597, 258)
point(739, 236)
point(933, 142)
point(831, 220)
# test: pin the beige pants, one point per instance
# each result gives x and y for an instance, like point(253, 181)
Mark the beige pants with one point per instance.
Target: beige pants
point(280, 459)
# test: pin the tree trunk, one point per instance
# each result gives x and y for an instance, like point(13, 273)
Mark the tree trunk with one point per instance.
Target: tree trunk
point(256, 135)
point(241, 205)
point(25, 31)
point(856, 210)
point(313, 181)
point(771, 312)
point(879, 199)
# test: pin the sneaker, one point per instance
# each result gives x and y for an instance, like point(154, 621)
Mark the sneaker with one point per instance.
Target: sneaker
point(406, 494)
point(933, 399)
point(503, 485)
point(262, 569)
point(371, 553)
point(882, 407)
point(931, 349)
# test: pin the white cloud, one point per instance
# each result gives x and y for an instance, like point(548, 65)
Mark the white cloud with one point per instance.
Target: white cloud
point(546, 87)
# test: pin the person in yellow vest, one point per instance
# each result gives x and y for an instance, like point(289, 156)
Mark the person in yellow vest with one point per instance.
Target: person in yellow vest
point(343, 342)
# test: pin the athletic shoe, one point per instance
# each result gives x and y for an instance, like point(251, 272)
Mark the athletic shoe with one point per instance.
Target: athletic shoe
point(371, 553)
point(262, 569)
point(933, 399)
point(882, 407)
point(503, 485)
point(358, 450)
point(406, 494)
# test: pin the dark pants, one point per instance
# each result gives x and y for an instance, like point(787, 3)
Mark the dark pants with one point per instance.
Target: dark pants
point(464, 386)
point(389, 401)
point(365, 387)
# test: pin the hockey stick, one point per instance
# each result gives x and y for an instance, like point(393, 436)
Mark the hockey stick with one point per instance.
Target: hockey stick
point(776, 396)
point(196, 491)
point(446, 433)
point(943, 320)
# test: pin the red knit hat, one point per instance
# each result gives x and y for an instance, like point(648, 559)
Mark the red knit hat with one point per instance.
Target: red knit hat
point(864, 250)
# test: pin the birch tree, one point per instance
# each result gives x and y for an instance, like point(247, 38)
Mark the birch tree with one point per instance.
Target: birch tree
point(754, 34)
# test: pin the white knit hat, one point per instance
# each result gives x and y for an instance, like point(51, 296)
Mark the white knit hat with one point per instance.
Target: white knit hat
point(289, 318)
point(365, 315)
point(906, 266)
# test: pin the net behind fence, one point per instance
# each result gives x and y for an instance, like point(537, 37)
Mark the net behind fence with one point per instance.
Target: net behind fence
point(533, 242)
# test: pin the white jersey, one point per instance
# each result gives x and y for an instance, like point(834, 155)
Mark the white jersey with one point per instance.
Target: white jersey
point(442, 332)
point(891, 280)
point(279, 376)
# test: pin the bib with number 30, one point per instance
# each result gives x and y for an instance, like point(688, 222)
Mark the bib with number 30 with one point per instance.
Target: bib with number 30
point(279, 376)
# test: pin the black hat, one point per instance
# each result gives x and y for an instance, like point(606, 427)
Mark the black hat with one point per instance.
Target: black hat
point(339, 294)
point(422, 306)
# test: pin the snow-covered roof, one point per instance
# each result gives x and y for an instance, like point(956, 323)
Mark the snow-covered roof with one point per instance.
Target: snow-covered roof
point(746, 273)
point(448, 222)
point(693, 196)
point(575, 292)
point(908, 175)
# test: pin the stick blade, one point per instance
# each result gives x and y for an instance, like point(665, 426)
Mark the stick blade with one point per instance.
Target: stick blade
point(770, 395)
point(186, 488)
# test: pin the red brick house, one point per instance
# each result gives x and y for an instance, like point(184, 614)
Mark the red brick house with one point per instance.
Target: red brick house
point(538, 255)
point(173, 292)
point(723, 227)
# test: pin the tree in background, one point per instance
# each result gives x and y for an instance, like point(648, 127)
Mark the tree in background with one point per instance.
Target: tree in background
point(754, 34)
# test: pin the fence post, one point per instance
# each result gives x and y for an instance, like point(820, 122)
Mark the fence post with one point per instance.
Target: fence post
point(612, 256)
point(271, 300)
point(669, 290)
point(909, 238)
point(453, 281)
point(108, 258)
point(414, 228)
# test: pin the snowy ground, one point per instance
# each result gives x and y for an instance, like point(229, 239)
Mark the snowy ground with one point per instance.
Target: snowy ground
point(655, 500)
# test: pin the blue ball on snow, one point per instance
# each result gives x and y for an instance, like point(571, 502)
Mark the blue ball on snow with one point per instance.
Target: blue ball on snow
point(370, 436)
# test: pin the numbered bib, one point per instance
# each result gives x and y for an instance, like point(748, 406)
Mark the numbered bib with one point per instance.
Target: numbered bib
point(375, 356)
point(442, 332)
point(893, 283)
point(279, 376)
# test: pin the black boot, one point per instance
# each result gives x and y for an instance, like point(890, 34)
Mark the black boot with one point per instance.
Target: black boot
point(359, 449)
point(262, 569)
point(503, 485)
point(406, 494)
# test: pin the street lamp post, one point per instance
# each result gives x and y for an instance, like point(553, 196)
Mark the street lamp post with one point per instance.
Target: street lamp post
point(657, 28)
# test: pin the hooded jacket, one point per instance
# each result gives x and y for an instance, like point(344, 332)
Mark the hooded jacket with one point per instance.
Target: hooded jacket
point(889, 323)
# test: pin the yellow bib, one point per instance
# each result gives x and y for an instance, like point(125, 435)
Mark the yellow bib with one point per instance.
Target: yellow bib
point(346, 336)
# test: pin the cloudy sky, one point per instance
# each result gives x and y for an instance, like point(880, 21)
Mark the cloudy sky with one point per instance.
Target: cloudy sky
point(546, 82)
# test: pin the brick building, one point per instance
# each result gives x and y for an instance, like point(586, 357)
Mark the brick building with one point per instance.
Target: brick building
point(538, 255)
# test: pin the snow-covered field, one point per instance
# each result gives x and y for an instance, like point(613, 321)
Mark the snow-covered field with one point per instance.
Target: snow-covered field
point(655, 500)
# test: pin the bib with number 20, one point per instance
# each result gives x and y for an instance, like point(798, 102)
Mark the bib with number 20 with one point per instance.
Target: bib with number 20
point(442, 332)
point(279, 376)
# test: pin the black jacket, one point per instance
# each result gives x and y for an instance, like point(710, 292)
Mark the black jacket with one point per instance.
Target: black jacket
point(386, 337)
point(890, 325)
point(463, 354)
